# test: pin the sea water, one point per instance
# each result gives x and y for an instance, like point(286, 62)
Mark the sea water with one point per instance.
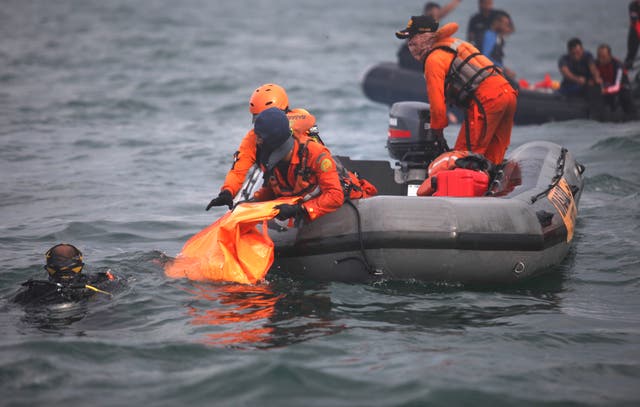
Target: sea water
point(118, 122)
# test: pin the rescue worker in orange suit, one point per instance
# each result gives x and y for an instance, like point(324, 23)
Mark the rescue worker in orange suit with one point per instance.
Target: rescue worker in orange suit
point(295, 168)
point(633, 38)
point(304, 128)
point(457, 73)
point(266, 96)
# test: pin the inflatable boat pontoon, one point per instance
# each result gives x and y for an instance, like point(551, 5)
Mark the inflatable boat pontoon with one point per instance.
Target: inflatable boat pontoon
point(521, 228)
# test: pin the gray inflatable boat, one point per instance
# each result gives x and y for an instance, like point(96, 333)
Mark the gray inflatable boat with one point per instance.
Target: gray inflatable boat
point(520, 229)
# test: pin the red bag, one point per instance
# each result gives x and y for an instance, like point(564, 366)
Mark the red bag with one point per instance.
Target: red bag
point(461, 182)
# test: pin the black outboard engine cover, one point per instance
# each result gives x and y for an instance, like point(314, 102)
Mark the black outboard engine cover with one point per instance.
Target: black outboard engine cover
point(409, 135)
point(411, 142)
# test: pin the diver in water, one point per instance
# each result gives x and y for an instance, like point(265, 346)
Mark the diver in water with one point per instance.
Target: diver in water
point(66, 283)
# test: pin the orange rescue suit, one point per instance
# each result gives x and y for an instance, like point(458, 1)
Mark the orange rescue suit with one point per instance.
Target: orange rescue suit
point(489, 134)
point(311, 174)
point(300, 121)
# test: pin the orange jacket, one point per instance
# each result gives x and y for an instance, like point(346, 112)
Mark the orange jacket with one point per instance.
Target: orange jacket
point(300, 121)
point(311, 174)
point(438, 66)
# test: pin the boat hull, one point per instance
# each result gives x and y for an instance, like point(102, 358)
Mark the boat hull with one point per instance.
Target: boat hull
point(387, 83)
point(521, 232)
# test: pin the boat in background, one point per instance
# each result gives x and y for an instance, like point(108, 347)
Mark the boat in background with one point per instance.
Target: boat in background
point(388, 83)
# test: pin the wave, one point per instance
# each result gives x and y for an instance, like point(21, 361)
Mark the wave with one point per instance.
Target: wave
point(106, 232)
point(626, 144)
point(186, 86)
point(611, 184)
point(111, 106)
point(91, 143)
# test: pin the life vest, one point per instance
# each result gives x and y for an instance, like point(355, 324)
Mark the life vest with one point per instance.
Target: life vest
point(303, 126)
point(353, 186)
point(305, 130)
point(305, 183)
point(467, 70)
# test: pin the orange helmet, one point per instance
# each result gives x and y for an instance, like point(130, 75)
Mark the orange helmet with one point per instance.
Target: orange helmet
point(266, 96)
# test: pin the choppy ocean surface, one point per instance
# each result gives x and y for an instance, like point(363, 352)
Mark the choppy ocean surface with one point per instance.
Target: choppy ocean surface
point(118, 120)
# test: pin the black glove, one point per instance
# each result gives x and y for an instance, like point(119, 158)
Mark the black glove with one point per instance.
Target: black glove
point(289, 211)
point(224, 198)
point(440, 143)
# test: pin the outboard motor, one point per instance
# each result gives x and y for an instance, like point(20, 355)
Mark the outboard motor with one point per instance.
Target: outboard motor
point(411, 142)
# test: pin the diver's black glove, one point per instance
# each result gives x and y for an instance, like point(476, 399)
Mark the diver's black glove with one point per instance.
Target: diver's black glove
point(224, 198)
point(289, 211)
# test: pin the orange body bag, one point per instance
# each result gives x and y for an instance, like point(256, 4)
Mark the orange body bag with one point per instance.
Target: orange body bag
point(232, 248)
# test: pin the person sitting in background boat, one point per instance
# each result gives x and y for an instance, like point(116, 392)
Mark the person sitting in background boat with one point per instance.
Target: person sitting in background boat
point(633, 38)
point(295, 168)
point(616, 88)
point(578, 70)
point(580, 77)
point(264, 97)
point(64, 264)
point(457, 73)
point(493, 40)
point(481, 22)
point(405, 59)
